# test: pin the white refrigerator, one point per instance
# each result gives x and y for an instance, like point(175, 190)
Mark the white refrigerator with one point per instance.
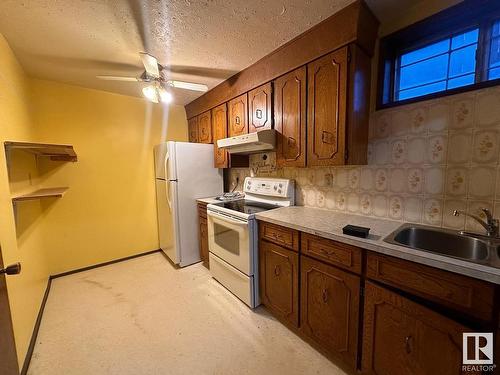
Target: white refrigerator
point(184, 172)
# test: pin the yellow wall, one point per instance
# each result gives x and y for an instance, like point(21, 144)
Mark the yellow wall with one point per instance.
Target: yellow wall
point(16, 123)
point(109, 211)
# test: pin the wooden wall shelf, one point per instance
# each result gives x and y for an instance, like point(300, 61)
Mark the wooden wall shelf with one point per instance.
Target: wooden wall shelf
point(53, 151)
point(57, 192)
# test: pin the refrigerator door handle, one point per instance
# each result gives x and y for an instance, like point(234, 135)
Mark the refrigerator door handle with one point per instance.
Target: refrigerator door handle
point(168, 195)
point(165, 164)
point(167, 180)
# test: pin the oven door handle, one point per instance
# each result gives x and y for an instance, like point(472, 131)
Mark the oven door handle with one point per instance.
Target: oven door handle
point(227, 218)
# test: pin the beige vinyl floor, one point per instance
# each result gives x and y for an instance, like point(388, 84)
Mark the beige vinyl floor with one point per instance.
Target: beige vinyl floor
point(143, 316)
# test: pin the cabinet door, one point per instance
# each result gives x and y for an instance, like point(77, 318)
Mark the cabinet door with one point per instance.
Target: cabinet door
point(205, 127)
point(219, 126)
point(204, 240)
point(238, 116)
point(326, 108)
point(402, 337)
point(330, 307)
point(279, 281)
point(193, 129)
point(259, 102)
point(290, 118)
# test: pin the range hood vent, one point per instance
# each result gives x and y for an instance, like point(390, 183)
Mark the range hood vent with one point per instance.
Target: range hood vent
point(261, 141)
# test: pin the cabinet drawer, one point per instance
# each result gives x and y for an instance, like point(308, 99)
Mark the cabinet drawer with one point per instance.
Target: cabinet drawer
point(336, 253)
point(286, 237)
point(462, 293)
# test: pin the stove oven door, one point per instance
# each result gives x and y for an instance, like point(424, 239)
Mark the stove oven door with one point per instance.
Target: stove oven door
point(230, 239)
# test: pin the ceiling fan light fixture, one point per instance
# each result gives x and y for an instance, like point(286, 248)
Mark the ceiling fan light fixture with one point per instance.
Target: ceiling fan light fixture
point(151, 93)
point(165, 96)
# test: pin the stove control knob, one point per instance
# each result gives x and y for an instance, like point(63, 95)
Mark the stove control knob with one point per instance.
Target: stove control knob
point(280, 185)
point(275, 187)
point(279, 191)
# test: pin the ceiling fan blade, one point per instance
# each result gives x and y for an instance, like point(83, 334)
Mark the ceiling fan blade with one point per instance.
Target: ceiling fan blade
point(150, 64)
point(119, 78)
point(187, 85)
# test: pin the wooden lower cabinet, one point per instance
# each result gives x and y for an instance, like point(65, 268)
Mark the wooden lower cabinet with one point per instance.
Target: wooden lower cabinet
point(330, 308)
point(403, 337)
point(279, 281)
point(203, 233)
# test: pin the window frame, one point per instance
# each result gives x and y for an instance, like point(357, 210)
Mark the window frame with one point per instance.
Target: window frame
point(481, 14)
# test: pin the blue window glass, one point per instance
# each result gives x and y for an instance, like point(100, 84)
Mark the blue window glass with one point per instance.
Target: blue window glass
point(443, 65)
point(494, 61)
point(461, 81)
point(422, 90)
point(463, 61)
point(494, 73)
point(425, 52)
point(465, 39)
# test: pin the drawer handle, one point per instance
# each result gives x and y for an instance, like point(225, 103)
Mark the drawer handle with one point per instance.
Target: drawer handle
point(325, 295)
point(325, 251)
point(408, 340)
point(277, 270)
point(278, 237)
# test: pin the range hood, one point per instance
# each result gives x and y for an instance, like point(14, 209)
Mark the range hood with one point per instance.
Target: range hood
point(261, 141)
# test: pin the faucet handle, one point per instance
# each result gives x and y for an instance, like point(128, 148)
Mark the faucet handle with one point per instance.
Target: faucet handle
point(489, 216)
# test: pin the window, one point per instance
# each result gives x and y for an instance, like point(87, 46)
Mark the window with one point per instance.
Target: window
point(439, 66)
point(455, 50)
point(494, 61)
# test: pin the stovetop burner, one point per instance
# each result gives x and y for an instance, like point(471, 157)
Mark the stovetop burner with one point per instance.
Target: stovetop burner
point(246, 206)
point(230, 196)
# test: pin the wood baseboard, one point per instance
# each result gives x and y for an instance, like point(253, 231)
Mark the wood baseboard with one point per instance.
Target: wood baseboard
point(34, 335)
point(103, 264)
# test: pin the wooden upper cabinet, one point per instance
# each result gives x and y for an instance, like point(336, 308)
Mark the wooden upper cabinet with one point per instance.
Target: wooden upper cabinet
point(329, 308)
point(219, 131)
point(205, 127)
point(290, 118)
point(259, 103)
point(402, 337)
point(327, 100)
point(238, 115)
point(193, 129)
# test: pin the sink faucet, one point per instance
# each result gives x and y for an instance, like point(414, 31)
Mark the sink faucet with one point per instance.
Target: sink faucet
point(490, 225)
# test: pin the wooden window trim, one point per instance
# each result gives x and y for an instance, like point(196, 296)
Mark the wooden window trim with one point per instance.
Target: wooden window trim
point(480, 13)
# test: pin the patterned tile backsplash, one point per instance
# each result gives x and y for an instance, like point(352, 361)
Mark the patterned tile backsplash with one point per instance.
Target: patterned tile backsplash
point(424, 161)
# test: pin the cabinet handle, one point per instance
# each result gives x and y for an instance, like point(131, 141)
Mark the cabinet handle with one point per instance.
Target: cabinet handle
point(325, 295)
point(277, 270)
point(237, 120)
point(258, 114)
point(291, 142)
point(328, 138)
point(408, 340)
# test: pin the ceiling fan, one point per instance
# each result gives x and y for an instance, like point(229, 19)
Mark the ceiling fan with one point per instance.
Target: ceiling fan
point(157, 90)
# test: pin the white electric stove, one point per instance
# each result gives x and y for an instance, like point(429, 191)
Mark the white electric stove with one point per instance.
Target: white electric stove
point(233, 234)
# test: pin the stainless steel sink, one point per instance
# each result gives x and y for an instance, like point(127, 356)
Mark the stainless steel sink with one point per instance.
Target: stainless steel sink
point(466, 246)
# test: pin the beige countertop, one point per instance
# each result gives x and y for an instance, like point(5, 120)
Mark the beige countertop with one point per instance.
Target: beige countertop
point(329, 224)
point(207, 200)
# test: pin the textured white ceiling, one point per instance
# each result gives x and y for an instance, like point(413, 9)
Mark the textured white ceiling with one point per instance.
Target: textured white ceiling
point(204, 41)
